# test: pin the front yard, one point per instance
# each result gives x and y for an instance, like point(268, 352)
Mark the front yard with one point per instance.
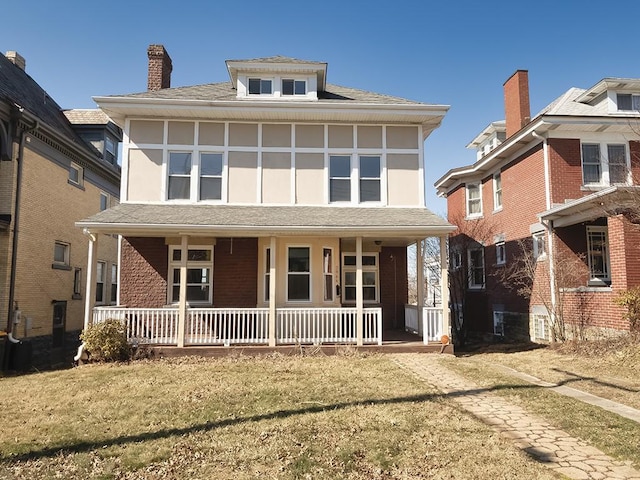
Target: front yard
point(349, 416)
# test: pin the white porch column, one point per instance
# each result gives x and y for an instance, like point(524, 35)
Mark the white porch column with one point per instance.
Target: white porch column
point(182, 304)
point(420, 291)
point(444, 287)
point(272, 293)
point(90, 289)
point(359, 294)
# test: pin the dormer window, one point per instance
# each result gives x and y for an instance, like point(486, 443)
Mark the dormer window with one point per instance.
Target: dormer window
point(260, 86)
point(110, 153)
point(628, 102)
point(294, 87)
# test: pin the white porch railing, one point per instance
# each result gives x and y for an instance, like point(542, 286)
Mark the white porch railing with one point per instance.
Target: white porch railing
point(327, 325)
point(243, 326)
point(431, 327)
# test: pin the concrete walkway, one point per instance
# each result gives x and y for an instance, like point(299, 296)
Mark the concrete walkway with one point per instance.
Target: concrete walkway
point(555, 448)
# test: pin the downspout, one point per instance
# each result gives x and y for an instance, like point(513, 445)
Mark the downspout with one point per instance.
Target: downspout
point(17, 115)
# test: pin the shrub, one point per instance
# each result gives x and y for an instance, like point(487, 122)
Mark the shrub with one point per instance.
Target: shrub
point(107, 341)
point(630, 299)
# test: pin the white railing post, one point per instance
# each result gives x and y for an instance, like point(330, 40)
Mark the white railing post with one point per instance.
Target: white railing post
point(90, 290)
point(359, 292)
point(272, 293)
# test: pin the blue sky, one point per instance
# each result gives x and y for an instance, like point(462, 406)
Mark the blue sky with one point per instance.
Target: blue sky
point(457, 53)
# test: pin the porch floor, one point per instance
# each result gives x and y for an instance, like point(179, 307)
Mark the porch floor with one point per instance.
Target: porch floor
point(393, 341)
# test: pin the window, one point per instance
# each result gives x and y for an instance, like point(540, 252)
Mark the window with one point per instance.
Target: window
point(210, 176)
point(101, 271)
point(598, 255)
point(540, 326)
point(111, 155)
point(539, 245)
point(298, 274)
point(501, 253)
point(104, 201)
point(77, 283)
point(76, 174)
point(260, 86)
point(628, 102)
point(294, 87)
point(114, 284)
point(476, 267)
point(339, 178)
point(267, 275)
point(61, 254)
point(498, 323)
point(497, 191)
point(369, 178)
point(369, 277)
point(179, 175)
point(474, 200)
point(600, 170)
point(327, 271)
point(199, 275)
point(456, 260)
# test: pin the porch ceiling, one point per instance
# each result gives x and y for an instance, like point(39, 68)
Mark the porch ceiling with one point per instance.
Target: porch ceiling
point(262, 220)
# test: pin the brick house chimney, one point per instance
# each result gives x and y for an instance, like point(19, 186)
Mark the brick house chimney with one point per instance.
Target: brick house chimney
point(160, 67)
point(516, 101)
point(17, 59)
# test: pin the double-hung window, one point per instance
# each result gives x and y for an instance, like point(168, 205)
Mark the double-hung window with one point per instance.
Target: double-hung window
point(497, 191)
point(617, 156)
point(101, 273)
point(539, 245)
point(298, 274)
point(199, 274)
point(369, 277)
point(294, 87)
point(369, 178)
point(598, 255)
point(260, 86)
point(598, 169)
point(110, 152)
point(476, 267)
point(339, 178)
point(628, 102)
point(474, 200)
point(114, 284)
point(179, 176)
point(591, 166)
point(104, 201)
point(76, 174)
point(210, 176)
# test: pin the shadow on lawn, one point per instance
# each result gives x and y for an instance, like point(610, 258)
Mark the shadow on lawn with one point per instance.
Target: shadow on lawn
point(84, 446)
point(575, 378)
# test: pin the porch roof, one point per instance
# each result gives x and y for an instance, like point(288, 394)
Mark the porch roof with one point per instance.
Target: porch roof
point(266, 220)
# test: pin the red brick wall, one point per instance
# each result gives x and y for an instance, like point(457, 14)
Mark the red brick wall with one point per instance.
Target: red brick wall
point(566, 166)
point(235, 270)
point(143, 272)
point(394, 286)
point(516, 101)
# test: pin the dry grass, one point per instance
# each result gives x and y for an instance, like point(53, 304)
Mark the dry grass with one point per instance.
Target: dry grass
point(349, 417)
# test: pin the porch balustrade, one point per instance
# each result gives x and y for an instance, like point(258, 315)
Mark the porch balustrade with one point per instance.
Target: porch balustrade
point(431, 325)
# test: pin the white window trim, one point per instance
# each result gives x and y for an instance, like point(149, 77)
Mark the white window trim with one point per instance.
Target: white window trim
point(173, 264)
point(606, 258)
point(541, 324)
point(261, 78)
point(501, 259)
point(194, 175)
point(67, 253)
point(309, 274)
point(633, 95)
point(456, 260)
point(101, 283)
point(80, 170)
point(468, 199)
point(266, 271)
point(113, 282)
point(331, 273)
point(349, 179)
point(196, 169)
point(605, 179)
point(537, 255)
point(361, 178)
point(365, 268)
point(497, 205)
point(475, 286)
point(294, 80)
point(498, 323)
point(107, 201)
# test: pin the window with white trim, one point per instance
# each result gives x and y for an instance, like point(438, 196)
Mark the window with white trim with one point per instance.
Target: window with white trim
point(369, 178)
point(501, 253)
point(199, 274)
point(110, 151)
point(340, 178)
point(540, 326)
point(294, 87)
point(598, 255)
point(628, 102)
point(211, 165)
point(539, 245)
point(260, 86)
point(474, 200)
point(498, 324)
point(370, 283)
point(497, 191)
point(267, 275)
point(101, 273)
point(609, 169)
point(475, 257)
point(327, 271)
point(298, 274)
point(76, 174)
point(104, 201)
point(179, 185)
point(61, 254)
point(456, 260)
point(114, 284)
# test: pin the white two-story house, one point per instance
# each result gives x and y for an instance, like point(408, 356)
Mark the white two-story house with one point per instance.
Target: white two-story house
point(272, 208)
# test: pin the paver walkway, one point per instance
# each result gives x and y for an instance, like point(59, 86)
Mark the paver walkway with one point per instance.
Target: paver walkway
point(555, 448)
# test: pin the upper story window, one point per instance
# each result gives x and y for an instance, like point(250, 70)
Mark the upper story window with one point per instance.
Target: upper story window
point(628, 102)
point(369, 178)
point(474, 200)
point(193, 177)
point(497, 191)
point(339, 178)
point(110, 150)
point(294, 87)
point(609, 169)
point(539, 245)
point(104, 201)
point(210, 176)
point(260, 86)
point(61, 254)
point(76, 174)
point(598, 256)
point(179, 175)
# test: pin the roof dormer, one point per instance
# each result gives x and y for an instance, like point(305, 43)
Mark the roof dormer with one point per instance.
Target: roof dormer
point(281, 78)
point(490, 138)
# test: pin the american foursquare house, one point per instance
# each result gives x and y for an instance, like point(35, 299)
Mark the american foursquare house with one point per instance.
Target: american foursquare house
point(273, 208)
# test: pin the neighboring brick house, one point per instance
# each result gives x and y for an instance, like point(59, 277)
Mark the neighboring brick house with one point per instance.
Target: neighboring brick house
point(50, 177)
point(272, 208)
point(561, 186)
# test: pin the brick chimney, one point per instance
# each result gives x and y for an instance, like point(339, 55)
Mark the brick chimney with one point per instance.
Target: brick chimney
point(159, 68)
point(17, 59)
point(516, 101)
